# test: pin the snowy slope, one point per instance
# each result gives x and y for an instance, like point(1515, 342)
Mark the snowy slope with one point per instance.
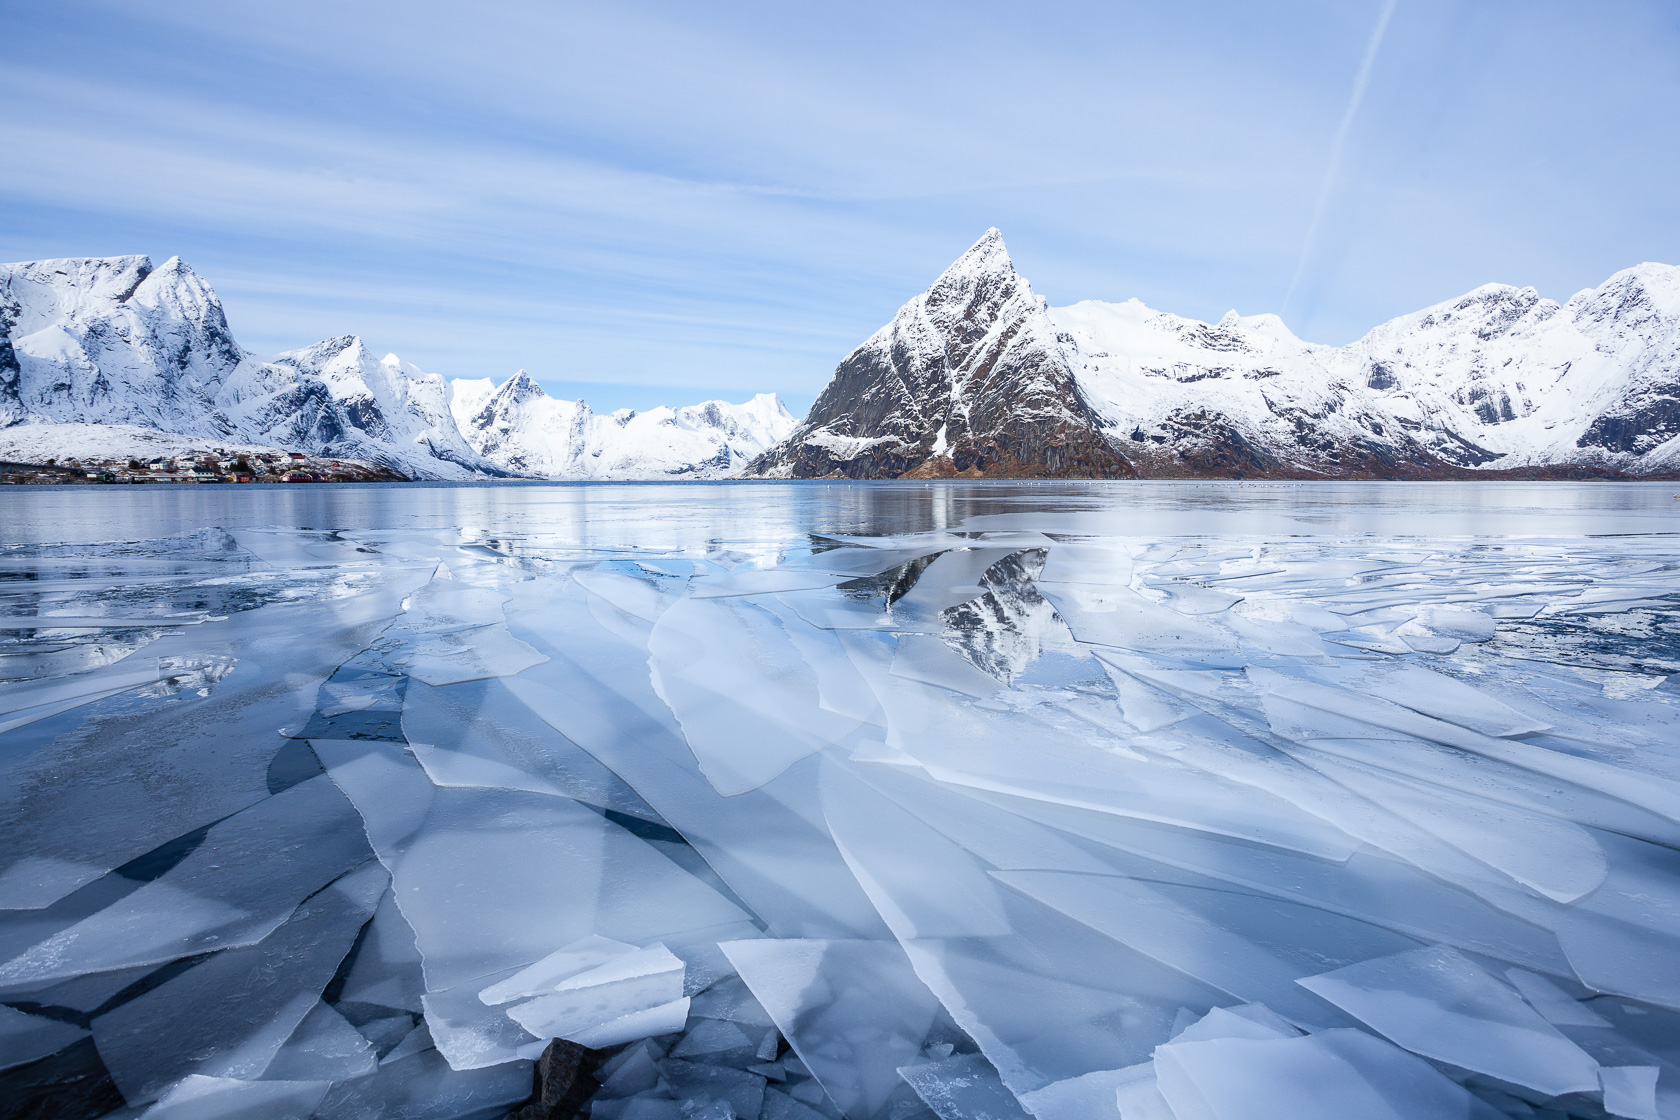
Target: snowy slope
point(389, 401)
point(522, 429)
point(116, 342)
point(978, 375)
point(1499, 378)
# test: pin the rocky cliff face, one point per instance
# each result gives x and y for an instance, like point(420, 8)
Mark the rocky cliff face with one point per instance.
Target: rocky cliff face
point(978, 376)
point(967, 379)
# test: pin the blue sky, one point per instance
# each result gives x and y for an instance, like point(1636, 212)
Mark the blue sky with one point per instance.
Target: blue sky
point(645, 203)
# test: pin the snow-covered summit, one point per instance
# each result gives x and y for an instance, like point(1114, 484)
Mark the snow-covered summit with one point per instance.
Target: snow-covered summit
point(115, 341)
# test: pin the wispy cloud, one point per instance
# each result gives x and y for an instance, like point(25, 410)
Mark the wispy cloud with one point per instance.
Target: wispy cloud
point(1338, 146)
point(731, 196)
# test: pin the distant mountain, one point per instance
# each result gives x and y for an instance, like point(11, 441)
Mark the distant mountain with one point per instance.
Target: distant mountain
point(116, 342)
point(978, 376)
point(523, 430)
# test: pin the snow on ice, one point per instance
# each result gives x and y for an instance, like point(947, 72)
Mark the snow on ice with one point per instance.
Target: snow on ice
point(1017, 811)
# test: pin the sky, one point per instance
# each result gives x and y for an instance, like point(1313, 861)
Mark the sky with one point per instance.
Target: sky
point(646, 203)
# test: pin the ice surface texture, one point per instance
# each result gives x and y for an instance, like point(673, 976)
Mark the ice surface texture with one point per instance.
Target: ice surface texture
point(1023, 813)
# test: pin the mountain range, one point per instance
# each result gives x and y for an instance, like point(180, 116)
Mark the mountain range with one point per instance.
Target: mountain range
point(979, 376)
point(976, 377)
point(117, 343)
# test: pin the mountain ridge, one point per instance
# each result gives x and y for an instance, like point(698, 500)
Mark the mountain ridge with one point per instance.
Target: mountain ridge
point(115, 341)
point(1499, 382)
point(977, 376)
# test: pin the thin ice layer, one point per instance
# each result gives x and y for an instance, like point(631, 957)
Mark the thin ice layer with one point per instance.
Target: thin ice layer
point(198, 1097)
point(386, 969)
point(964, 1087)
point(473, 870)
point(325, 1047)
point(229, 1015)
point(85, 797)
point(853, 1011)
point(478, 734)
point(421, 1086)
point(1436, 1002)
point(1330, 1076)
point(565, 962)
point(24, 1037)
point(626, 985)
point(235, 887)
point(747, 702)
point(471, 1035)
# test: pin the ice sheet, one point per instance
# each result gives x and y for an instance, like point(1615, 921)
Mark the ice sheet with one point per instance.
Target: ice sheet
point(747, 703)
point(423, 1087)
point(1436, 1002)
point(198, 1097)
point(1017, 795)
point(386, 969)
point(323, 1048)
point(1091, 1096)
point(24, 1037)
point(1329, 1076)
point(471, 1035)
point(1631, 1091)
point(853, 1011)
point(626, 985)
point(1202, 934)
point(97, 766)
point(565, 962)
point(473, 870)
point(230, 1015)
point(233, 889)
point(478, 734)
point(965, 1087)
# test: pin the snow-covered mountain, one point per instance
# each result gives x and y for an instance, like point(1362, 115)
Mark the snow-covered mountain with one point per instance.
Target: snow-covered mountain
point(968, 376)
point(979, 375)
point(116, 342)
point(522, 429)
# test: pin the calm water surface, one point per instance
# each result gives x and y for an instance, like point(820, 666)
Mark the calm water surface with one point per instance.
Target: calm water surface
point(674, 514)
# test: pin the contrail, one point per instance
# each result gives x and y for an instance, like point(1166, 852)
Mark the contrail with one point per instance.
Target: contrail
point(1336, 145)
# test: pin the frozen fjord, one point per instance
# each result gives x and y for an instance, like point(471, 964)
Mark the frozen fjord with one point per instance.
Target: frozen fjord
point(902, 801)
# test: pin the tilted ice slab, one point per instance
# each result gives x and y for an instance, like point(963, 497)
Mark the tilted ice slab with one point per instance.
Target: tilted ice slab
point(230, 1016)
point(1437, 1003)
point(239, 884)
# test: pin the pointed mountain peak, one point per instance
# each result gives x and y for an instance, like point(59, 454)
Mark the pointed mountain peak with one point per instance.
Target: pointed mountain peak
point(988, 256)
point(357, 350)
point(336, 359)
point(175, 283)
point(773, 403)
point(519, 388)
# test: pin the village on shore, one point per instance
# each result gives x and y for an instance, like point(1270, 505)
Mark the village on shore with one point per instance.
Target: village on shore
point(216, 467)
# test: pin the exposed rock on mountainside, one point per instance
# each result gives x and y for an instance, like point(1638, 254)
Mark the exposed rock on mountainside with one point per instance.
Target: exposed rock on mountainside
point(115, 342)
point(968, 379)
point(976, 375)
